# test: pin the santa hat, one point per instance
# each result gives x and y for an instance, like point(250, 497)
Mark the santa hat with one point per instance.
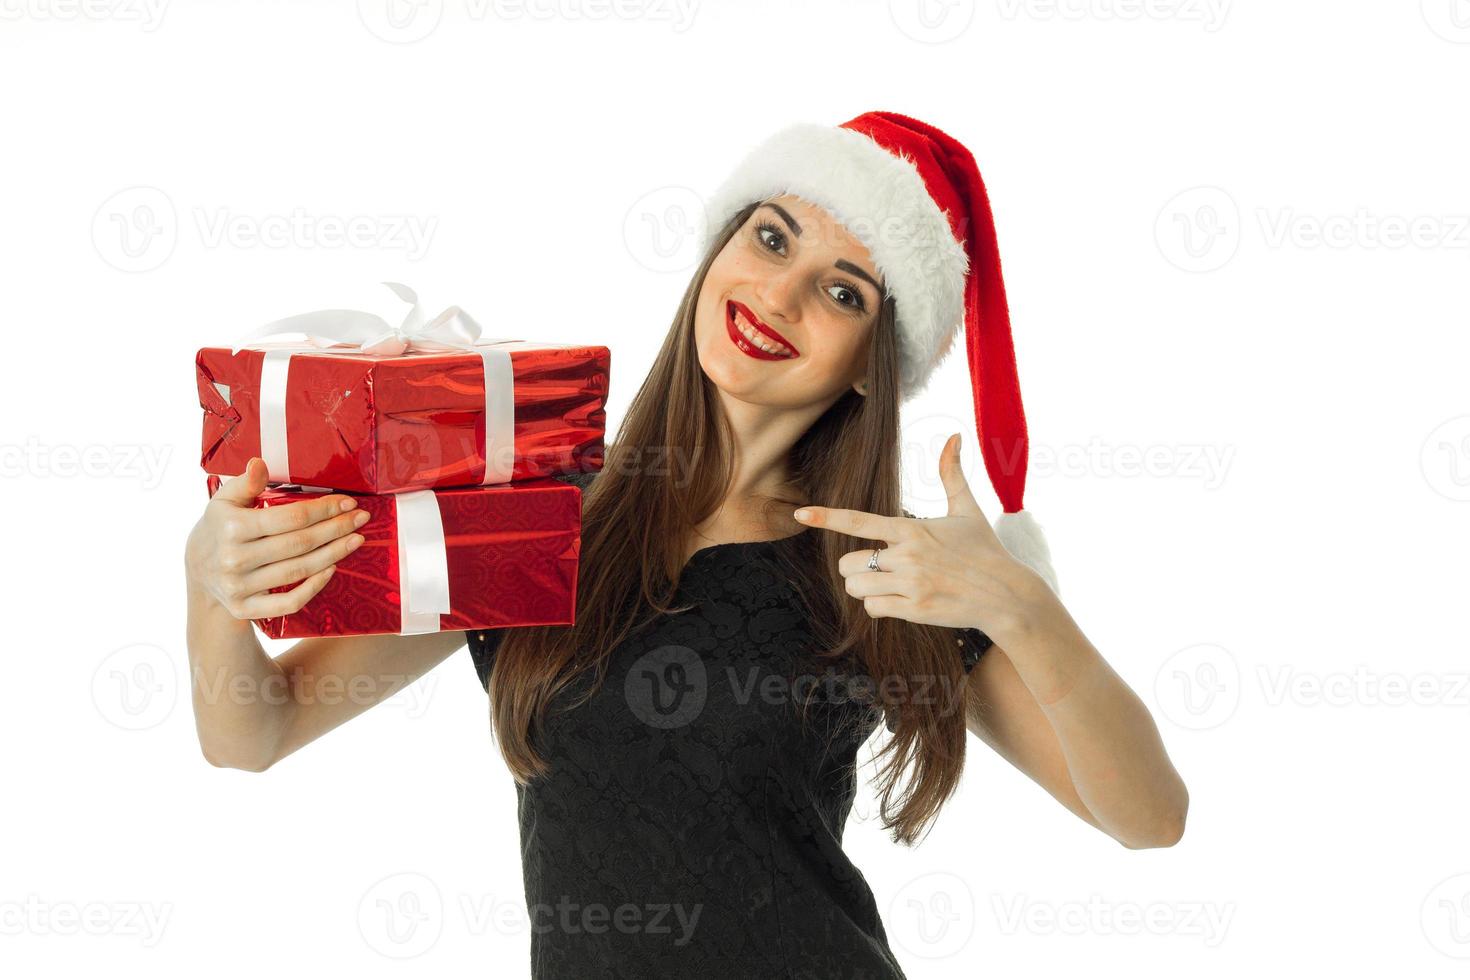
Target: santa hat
point(913, 196)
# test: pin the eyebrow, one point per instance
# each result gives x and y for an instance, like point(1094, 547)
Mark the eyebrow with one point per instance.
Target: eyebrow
point(842, 264)
point(857, 271)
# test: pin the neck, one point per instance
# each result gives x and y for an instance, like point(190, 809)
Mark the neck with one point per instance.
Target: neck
point(764, 435)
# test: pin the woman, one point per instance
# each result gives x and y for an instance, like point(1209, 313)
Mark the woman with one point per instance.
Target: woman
point(685, 754)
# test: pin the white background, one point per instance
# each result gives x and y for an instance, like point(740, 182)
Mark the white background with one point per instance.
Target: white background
point(1236, 243)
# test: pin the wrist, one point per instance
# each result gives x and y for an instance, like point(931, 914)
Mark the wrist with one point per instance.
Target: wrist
point(1035, 611)
point(206, 610)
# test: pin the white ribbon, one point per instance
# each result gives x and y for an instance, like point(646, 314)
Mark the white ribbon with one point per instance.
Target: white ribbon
point(363, 332)
point(423, 562)
point(423, 559)
point(371, 333)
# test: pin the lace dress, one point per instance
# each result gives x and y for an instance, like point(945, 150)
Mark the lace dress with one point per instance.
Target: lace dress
point(691, 824)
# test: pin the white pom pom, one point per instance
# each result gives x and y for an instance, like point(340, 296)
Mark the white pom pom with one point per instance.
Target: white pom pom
point(1022, 537)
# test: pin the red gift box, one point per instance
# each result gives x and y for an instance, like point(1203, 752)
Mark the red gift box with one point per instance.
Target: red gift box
point(380, 423)
point(503, 555)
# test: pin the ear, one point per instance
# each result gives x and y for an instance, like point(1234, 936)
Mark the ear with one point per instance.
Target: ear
point(861, 387)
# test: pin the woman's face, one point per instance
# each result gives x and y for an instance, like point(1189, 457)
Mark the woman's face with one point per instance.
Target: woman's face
point(809, 293)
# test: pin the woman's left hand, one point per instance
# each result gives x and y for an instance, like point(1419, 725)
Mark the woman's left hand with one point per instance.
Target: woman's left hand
point(944, 571)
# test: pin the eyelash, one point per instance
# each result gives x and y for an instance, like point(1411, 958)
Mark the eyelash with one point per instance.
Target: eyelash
point(860, 306)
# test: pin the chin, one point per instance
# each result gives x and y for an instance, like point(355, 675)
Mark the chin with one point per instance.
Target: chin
point(725, 374)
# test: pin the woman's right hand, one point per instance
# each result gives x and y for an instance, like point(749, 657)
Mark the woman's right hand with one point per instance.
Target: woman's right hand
point(237, 552)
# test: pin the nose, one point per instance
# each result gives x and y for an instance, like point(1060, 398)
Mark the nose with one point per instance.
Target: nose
point(778, 295)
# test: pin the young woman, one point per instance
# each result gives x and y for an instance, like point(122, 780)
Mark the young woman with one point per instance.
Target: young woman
point(754, 602)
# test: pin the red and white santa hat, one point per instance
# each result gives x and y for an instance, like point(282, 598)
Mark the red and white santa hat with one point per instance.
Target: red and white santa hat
point(913, 196)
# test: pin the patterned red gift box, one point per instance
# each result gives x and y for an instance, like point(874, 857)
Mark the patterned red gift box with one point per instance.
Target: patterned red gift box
point(381, 423)
point(472, 558)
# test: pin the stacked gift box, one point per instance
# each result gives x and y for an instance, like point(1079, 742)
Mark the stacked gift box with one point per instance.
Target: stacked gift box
point(452, 448)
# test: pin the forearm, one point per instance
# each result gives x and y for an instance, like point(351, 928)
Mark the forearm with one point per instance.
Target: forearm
point(242, 701)
point(1113, 751)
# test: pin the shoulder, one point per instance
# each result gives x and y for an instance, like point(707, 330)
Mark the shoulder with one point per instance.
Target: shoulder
point(483, 645)
point(580, 480)
point(972, 644)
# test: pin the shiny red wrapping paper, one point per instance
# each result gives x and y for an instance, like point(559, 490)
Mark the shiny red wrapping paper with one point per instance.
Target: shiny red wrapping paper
point(512, 552)
point(369, 423)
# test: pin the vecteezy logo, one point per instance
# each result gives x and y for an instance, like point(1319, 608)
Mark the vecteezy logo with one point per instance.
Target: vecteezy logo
point(1450, 19)
point(400, 21)
point(666, 687)
point(1199, 229)
point(1445, 458)
point(1198, 687)
point(135, 686)
point(401, 916)
point(932, 21)
point(135, 230)
point(1445, 916)
point(933, 916)
point(662, 229)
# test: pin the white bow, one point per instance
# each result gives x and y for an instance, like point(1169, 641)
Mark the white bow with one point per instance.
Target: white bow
point(346, 332)
point(370, 333)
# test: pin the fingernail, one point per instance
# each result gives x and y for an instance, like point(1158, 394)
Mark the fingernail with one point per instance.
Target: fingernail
point(353, 540)
point(360, 518)
point(803, 514)
point(348, 503)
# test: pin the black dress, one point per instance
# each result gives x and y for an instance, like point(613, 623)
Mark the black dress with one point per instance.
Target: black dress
point(691, 824)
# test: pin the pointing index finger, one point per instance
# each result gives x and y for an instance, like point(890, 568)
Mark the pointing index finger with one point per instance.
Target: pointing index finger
point(858, 523)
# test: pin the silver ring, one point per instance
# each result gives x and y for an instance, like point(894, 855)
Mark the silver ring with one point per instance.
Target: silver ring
point(873, 561)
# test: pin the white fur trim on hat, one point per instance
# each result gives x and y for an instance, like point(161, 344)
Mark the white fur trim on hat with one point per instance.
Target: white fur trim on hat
point(1023, 538)
point(881, 199)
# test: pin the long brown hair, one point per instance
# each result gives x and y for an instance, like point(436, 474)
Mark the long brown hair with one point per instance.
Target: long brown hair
point(669, 468)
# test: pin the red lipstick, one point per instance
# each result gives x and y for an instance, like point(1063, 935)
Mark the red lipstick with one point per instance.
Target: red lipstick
point(740, 340)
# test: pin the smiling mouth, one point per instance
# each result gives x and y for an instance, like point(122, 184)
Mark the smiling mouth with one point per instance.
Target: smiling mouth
point(754, 337)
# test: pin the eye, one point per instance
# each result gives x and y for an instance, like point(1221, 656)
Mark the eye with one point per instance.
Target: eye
point(764, 229)
point(854, 296)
